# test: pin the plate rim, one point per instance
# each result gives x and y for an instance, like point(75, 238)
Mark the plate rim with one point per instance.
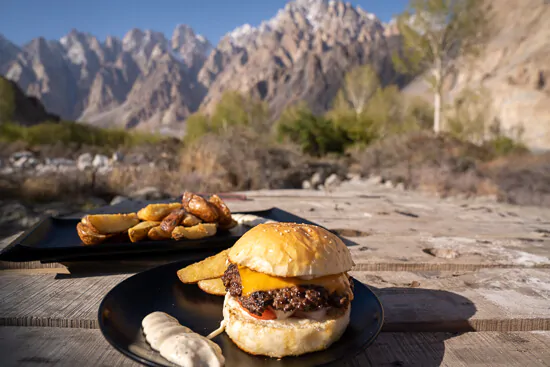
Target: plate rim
point(127, 353)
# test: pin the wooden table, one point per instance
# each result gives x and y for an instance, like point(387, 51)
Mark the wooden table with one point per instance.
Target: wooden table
point(483, 299)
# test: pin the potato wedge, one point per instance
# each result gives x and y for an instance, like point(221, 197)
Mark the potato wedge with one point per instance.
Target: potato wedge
point(110, 223)
point(157, 212)
point(172, 220)
point(212, 286)
point(88, 236)
point(209, 268)
point(199, 207)
point(139, 231)
point(157, 234)
point(223, 210)
point(190, 220)
point(197, 232)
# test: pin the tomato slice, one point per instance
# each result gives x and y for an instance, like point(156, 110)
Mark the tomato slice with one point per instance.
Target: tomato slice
point(268, 314)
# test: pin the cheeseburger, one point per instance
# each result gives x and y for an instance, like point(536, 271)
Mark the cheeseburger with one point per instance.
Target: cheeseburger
point(288, 292)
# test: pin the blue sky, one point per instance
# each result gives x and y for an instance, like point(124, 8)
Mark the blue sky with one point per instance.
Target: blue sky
point(22, 20)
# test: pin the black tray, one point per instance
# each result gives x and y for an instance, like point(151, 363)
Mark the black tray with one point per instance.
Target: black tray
point(55, 240)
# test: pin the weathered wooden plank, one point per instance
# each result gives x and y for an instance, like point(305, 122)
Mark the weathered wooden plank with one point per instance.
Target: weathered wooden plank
point(400, 225)
point(487, 300)
point(469, 349)
point(22, 346)
point(27, 346)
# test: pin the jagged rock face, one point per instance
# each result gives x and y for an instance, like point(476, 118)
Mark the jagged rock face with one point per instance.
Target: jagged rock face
point(8, 52)
point(191, 48)
point(300, 54)
point(81, 78)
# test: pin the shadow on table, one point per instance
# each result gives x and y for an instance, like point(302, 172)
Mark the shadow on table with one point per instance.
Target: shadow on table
point(417, 322)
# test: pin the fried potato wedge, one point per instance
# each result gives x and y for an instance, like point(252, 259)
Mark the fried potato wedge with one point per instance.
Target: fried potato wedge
point(172, 220)
point(157, 212)
point(110, 223)
point(199, 207)
point(139, 231)
point(209, 268)
point(196, 232)
point(190, 220)
point(212, 286)
point(88, 236)
point(223, 210)
point(157, 234)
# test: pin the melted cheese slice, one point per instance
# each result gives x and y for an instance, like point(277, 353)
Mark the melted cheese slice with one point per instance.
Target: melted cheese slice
point(253, 281)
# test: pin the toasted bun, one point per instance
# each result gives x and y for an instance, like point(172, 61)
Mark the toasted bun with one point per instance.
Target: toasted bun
point(280, 338)
point(291, 250)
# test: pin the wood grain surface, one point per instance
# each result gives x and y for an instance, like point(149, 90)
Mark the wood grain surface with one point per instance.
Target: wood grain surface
point(462, 282)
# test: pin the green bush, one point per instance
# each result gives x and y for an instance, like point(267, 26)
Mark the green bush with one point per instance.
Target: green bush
point(503, 145)
point(74, 133)
point(316, 135)
point(233, 109)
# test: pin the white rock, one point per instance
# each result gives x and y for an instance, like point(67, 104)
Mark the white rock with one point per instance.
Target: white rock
point(84, 161)
point(320, 187)
point(388, 184)
point(118, 199)
point(100, 160)
point(306, 185)
point(20, 163)
point(62, 162)
point(117, 157)
point(353, 177)
point(147, 193)
point(332, 180)
point(18, 155)
point(375, 180)
point(316, 179)
point(400, 186)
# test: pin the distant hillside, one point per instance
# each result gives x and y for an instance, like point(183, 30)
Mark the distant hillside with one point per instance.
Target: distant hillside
point(148, 82)
point(16, 107)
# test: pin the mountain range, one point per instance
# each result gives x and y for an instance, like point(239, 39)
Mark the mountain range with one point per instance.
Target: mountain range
point(147, 81)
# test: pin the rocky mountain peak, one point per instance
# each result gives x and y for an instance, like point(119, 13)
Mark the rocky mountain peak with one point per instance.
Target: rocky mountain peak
point(8, 52)
point(320, 36)
point(192, 49)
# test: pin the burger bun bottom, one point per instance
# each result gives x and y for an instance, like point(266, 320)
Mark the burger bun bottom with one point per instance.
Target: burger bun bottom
point(280, 338)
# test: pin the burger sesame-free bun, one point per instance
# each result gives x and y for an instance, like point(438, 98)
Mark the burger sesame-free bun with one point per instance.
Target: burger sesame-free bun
point(280, 338)
point(291, 250)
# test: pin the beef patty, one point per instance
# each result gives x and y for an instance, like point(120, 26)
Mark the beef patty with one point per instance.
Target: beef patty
point(304, 298)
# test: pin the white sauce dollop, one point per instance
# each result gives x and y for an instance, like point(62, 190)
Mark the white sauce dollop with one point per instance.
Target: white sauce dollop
point(179, 344)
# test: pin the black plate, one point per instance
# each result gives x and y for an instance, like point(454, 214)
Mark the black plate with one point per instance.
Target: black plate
point(159, 289)
point(56, 239)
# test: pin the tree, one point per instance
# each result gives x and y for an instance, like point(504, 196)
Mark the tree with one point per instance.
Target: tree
point(435, 33)
point(233, 109)
point(359, 86)
point(238, 109)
